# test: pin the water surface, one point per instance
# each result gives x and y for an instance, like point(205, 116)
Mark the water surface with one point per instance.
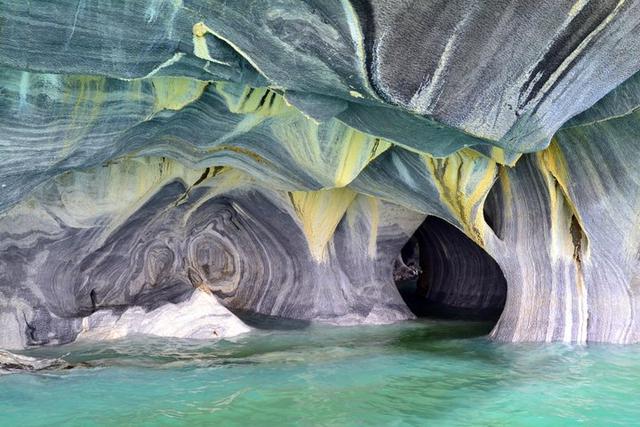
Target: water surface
point(411, 373)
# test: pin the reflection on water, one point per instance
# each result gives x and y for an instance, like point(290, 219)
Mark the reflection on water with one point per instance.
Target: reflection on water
point(403, 374)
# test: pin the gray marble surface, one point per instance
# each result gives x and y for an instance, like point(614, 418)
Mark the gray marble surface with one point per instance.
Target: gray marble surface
point(278, 154)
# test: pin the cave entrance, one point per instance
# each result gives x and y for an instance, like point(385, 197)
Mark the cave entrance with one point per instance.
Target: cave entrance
point(441, 273)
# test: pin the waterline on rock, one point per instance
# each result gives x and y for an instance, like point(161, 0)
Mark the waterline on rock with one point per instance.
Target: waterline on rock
point(443, 372)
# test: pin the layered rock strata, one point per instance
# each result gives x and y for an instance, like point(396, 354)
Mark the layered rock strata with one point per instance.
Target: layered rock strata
point(274, 157)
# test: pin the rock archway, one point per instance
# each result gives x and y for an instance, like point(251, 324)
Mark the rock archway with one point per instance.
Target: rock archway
point(443, 273)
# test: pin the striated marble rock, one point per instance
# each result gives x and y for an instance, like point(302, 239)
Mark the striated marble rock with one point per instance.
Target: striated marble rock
point(135, 234)
point(279, 154)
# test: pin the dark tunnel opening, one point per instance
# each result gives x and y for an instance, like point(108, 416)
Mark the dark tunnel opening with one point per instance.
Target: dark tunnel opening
point(441, 273)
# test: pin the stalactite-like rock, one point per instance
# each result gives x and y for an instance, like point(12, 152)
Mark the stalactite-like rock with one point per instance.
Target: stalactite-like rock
point(279, 154)
point(563, 271)
point(79, 258)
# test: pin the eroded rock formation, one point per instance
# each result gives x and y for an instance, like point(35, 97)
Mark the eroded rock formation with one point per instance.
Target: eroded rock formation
point(166, 161)
point(454, 277)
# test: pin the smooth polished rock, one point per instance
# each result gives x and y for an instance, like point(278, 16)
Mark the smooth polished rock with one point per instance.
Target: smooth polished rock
point(129, 242)
point(199, 317)
point(538, 66)
point(280, 154)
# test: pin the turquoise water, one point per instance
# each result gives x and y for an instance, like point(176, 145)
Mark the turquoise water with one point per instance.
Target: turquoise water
point(413, 373)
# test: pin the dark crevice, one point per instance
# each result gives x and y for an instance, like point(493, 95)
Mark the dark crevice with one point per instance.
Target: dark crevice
point(492, 210)
point(202, 177)
point(247, 96)
point(579, 241)
point(185, 195)
point(441, 273)
point(94, 300)
point(31, 330)
point(577, 237)
point(263, 99)
point(489, 219)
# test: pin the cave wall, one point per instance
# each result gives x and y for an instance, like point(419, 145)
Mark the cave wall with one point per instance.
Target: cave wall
point(276, 155)
point(584, 274)
point(150, 233)
point(569, 278)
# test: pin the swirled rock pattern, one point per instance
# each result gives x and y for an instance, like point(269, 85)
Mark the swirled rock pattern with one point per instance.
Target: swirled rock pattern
point(88, 245)
point(275, 156)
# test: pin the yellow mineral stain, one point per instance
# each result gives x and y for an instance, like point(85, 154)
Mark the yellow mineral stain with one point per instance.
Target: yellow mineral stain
point(141, 179)
point(373, 230)
point(116, 190)
point(199, 29)
point(319, 213)
point(332, 152)
point(221, 181)
point(560, 217)
point(554, 168)
point(463, 180)
point(200, 49)
point(87, 93)
point(246, 152)
point(553, 160)
point(503, 176)
point(577, 7)
point(357, 150)
point(367, 207)
point(90, 94)
point(227, 179)
point(261, 101)
point(135, 90)
point(355, 94)
point(174, 93)
point(505, 186)
point(498, 155)
point(564, 247)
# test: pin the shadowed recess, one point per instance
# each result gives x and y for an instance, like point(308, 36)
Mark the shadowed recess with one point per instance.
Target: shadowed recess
point(442, 273)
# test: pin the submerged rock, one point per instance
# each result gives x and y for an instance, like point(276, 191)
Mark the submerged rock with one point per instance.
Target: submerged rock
point(279, 154)
point(10, 362)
